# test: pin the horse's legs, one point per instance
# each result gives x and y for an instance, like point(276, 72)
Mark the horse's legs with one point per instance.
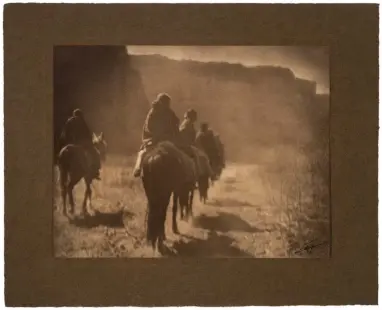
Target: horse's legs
point(182, 213)
point(151, 227)
point(156, 217)
point(174, 213)
point(164, 215)
point(162, 220)
point(180, 200)
point(70, 193)
point(205, 195)
point(148, 223)
point(191, 203)
point(88, 193)
point(186, 203)
point(64, 193)
point(201, 188)
point(206, 192)
point(64, 190)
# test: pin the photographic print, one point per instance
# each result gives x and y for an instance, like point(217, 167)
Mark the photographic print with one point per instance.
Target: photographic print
point(191, 151)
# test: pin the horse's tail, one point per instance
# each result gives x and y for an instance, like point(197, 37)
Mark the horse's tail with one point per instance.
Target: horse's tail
point(158, 184)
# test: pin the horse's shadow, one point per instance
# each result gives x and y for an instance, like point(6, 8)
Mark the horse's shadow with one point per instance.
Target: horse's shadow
point(114, 220)
point(230, 202)
point(224, 222)
point(214, 246)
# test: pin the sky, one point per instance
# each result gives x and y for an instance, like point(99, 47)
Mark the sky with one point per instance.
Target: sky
point(310, 63)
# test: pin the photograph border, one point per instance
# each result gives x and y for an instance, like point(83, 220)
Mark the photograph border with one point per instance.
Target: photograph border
point(34, 277)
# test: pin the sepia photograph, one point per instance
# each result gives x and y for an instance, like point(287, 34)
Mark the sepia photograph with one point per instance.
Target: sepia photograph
point(227, 150)
point(191, 151)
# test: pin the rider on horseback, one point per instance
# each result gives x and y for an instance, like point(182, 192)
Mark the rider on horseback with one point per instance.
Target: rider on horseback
point(221, 150)
point(77, 132)
point(205, 141)
point(187, 129)
point(161, 124)
point(187, 141)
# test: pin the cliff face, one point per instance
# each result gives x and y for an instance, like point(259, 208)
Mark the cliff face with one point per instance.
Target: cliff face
point(100, 81)
point(250, 107)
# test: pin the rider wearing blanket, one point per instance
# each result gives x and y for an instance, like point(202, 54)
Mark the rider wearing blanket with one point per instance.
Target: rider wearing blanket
point(188, 143)
point(162, 125)
point(76, 131)
point(206, 142)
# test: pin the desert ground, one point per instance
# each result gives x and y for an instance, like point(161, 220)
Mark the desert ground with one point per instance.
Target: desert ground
point(252, 211)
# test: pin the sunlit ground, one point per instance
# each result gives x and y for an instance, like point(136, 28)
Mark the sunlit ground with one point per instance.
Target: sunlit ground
point(268, 209)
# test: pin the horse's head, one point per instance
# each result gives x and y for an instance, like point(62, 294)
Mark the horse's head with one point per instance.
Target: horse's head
point(100, 144)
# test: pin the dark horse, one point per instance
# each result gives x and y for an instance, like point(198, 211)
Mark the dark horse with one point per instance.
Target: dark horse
point(163, 173)
point(184, 194)
point(203, 186)
point(73, 166)
point(204, 176)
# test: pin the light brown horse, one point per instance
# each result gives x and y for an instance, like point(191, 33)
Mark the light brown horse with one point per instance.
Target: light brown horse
point(73, 164)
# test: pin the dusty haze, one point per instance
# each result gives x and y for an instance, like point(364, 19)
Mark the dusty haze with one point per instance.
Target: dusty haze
point(310, 63)
point(255, 108)
point(270, 106)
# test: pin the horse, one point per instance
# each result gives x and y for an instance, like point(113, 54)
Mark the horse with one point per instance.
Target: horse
point(185, 191)
point(220, 165)
point(204, 174)
point(159, 166)
point(73, 166)
point(166, 171)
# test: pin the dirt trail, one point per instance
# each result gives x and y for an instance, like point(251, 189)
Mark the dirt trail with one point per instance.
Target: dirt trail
point(237, 221)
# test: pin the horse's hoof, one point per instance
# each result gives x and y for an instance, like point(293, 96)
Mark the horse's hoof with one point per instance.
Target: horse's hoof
point(175, 230)
point(69, 217)
point(90, 213)
point(83, 215)
point(161, 248)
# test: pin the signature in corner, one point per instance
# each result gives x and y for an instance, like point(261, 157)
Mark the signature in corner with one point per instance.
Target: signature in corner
point(309, 246)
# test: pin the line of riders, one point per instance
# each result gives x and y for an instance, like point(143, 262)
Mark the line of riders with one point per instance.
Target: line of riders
point(161, 125)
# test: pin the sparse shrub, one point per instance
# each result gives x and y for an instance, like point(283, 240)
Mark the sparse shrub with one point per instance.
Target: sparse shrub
point(298, 186)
